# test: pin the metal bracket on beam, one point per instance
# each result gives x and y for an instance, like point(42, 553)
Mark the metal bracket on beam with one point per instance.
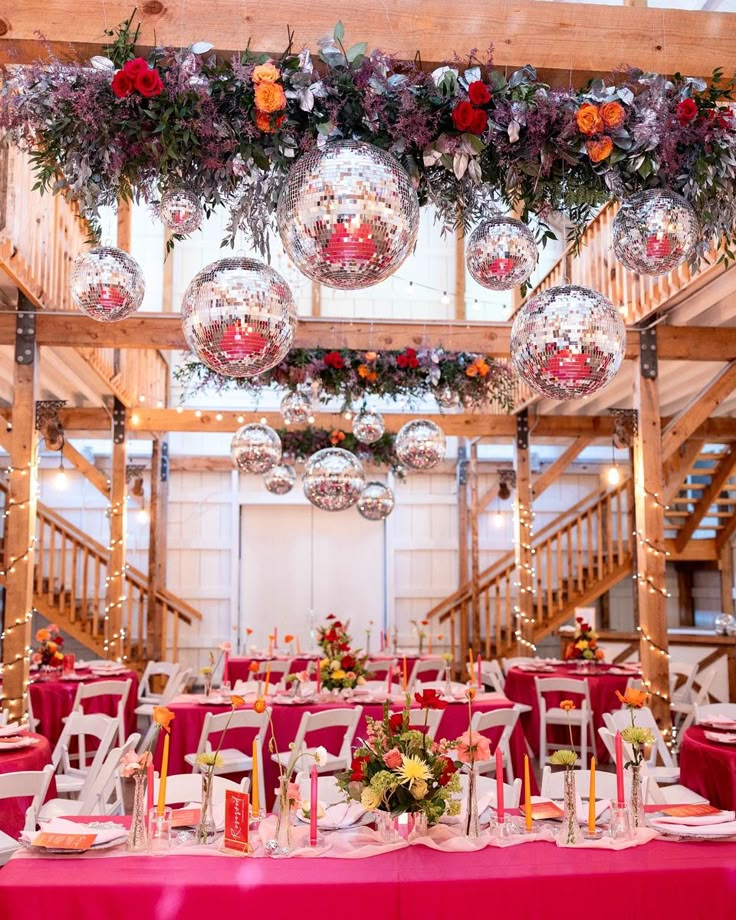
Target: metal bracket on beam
point(118, 422)
point(522, 430)
point(25, 337)
point(164, 470)
point(648, 353)
point(462, 465)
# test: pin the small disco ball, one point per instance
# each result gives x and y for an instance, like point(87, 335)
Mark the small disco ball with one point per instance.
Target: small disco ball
point(238, 317)
point(420, 444)
point(654, 231)
point(280, 479)
point(348, 215)
point(333, 479)
point(368, 426)
point(376, 501)
point(501, 253)
point(180, 211)
point(447, 398)
point(255, 448)
point(296, 409)
point(107, 284)
point(568, 342)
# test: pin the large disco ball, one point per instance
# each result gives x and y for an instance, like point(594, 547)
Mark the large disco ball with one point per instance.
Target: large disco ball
point(180, 211)
point(376, 501)
point(333, 479)
point(296, 408)
point(348, 215)
point(107, 284)
point(238, 317)
point(654, 231)
point(568, 342)
point(420, 444)
point(255, 448)
point(280, 479)
point(501, 253)
point(368, 426)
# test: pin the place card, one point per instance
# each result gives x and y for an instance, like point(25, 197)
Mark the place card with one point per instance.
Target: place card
point(690, 811)
point(185, 817)
point(237, 813)
point(542, 811)
point(64, 841)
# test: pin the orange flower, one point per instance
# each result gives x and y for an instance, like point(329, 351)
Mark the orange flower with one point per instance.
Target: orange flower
point(471, 370)
point(288, 638)
point(440, 636)
point(613, 114)
point(43, 635)
point(253, 667)
point(589, 119)
point(470, 693)
point(268, 123)
point(600, 654)
point(270, 97)
point(236, 701)
point(599, 149)
point(162, 717)
point(483, 368)
point(567, 705)
point(371, 356)
point(260, 705)
point(633, 698)
point(265, 73)
point(336, 437)
point(363, 370)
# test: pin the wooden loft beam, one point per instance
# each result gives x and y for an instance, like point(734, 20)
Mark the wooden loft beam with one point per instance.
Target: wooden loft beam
point(710, 493)
point(679, 465)
point(724, 535)
point(556, 469)
point(685, 423)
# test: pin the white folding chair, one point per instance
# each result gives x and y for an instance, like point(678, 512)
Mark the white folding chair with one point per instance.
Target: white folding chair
point(682, 676)
point(347, 719)
point(174, 686)
point(79, 727)
point(492, 676)
point(699, 696)
point(433, 719)
point(620, 719)
point(507, 663)
point(705, 711)
point(486, 786)
point(146, 696)
point(327, 789)
point(182, 788)
point(3, 717)
point(605, 784)
point(436, 666)
point(581, 717)
point(32, 784)
point(506, 720)
point(380, 666)
point(279, 670)
point(118, 688)
point(32, 723)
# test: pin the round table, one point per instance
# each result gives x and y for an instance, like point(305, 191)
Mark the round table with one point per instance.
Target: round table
point(708, 767)
point(602, 683)
point(35, 757)
point(238, 668)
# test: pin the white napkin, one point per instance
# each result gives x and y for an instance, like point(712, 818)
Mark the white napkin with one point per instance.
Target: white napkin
point(581, 808)
point(719, 719)
point(62, 826)
point(12, 728)
point(341, 814)
point(725, 829)
point(722, 817)
point(721, 737)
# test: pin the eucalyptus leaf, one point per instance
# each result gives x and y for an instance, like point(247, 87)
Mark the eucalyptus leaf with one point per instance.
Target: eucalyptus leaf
point(472, 74)
point(202, 47)
point(339, 32)
point(356, 51)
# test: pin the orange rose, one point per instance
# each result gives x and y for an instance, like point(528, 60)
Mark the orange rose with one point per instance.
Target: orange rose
point(471, 371)
point(613, 114)
point(363, 370)
point(589, 119)
point(248, 631)
point(254, 667)
point(270, 97)
point(598, 150)
point(470, 693)
point(371, 356)
point(162, 717)
point(236, 701)
point(267, 123)
point(260, 705)
point(336, 437)
point(567, 705)
point(633, 698)
point(43, 635)
point(265, 73)
point(288, 638)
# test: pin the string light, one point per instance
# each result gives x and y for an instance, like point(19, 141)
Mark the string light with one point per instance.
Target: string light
point(613, 476)
point(527, 585)
point(655, 500)
point(60, 480)
point(650, 547)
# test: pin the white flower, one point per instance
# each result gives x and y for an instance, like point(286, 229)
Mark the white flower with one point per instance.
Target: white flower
point(320, 756)
point(513, 131)
point(439, 73)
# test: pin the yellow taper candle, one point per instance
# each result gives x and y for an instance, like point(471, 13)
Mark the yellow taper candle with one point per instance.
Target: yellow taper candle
point(255, 803)
point(164, 771)
point(471, 665)
point(527, 795)
point(591, 802)
point(268, 677)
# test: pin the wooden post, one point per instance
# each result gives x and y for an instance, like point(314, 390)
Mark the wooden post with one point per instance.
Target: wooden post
point(20, 524)
point(650, 565)
point(157, 545)
point(475, 638)
point(725, 566)
point(462, 548)
point(115, 642)
point(460, 311)
point(523, 538)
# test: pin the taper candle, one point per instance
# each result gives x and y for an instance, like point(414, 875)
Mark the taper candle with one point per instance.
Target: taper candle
point(313, 808)
point(471, 664)
point(389, 679)
point(499, 786)
point(268, 677)
point(591, 798)
point(164, 772)
point(620, 771)
point(298, 646)
point(404, 676)
point(480, 679)
point(255, 802)
point(527, 795)
point(149, 787)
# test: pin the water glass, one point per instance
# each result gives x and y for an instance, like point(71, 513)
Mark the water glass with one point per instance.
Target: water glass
point(159, 829)
point(621, 827)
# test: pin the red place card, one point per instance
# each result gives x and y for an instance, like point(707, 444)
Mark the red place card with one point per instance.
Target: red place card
point(64, 841)
point(545, 810)
point(691, 811)
point(185, 817)
point(236, 821)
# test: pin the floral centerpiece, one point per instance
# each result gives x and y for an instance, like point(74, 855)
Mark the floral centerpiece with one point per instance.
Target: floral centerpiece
point(567, 758)
point(342, 667)
point(584, 644)
point(638, 739)
point(49, 653)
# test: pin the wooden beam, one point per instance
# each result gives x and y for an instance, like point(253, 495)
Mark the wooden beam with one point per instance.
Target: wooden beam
point(709, 494)
point(679, 465)
point(90, 472)
point(523, 538)
point(554, 470)
point(116, 565)
point(686, 422)
point(475, 636)
point(725, 567)
point(157, 542)
point(723, 536)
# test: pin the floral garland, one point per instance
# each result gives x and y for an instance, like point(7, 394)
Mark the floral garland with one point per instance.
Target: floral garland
point(300, 444)
point(229, 129)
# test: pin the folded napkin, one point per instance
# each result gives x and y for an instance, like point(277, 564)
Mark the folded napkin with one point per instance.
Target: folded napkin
point(341, 814)
point(62, 826)
point(725, 829)
point(723, 817)
point(12, 728)
point(721, 737)
point(581, 808)
point(719, 719)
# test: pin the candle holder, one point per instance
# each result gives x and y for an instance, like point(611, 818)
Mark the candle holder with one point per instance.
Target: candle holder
point(256, 817)
point(159, 829)
point(509, 827)
point(597, 834)
point(620, 826)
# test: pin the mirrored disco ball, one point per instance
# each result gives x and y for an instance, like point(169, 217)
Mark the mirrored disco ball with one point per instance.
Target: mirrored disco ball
point(376, 501)
point(447, 398)
point(568, 342)
point(296, 408)
point(333, 479)
point(180, 211)
point(368, 426)
point(501, 253)
point(654, 231)
point(255, 448)
point(238, 317)
point(348, 215)
point(280, 479)
point(420, 444)
point(107, 284)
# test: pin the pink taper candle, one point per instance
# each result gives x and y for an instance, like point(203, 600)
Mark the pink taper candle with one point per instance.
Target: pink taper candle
point(319, 675)
point(389, 679)
point(313, 805)
point(275, 637)
point(499, 785)
point(620, 770)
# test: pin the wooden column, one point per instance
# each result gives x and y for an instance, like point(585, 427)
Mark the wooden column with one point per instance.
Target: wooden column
point(159, 504)
point(20, 524)
point(523, 538)
point(650, 566)
point(475, 639)
point(118, 518)
point(460, 311)
point(463, 573)
point(725, 567)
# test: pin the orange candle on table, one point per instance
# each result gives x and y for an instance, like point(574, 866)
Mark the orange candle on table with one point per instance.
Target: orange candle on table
point(591, 800)
point(164, 772)
point(404, 676)
point(430, 642)
point(471, 663)
point(298, 646)
point(270, 645)
point(268, 677)
point(255, 803)
point(527, 795)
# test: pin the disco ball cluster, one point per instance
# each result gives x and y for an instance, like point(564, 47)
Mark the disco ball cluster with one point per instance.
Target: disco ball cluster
point(280, 479)
point(348, 215)
point(296, 408)
point(501, 253)
point(255, 448)
point(376, 501)
point(180, 211)
point(333, 479)
point(654, 231)
point(420, 444)
point(107, 284)
point(368, 426)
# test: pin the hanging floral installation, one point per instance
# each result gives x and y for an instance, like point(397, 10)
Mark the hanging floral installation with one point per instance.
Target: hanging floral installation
point(228, 129)
point(300, 444)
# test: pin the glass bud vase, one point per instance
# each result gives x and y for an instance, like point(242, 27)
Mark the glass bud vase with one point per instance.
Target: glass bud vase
point(636, 805)
point(281, 843)
point(206, 829)
point(472, 820)
point(570, 833)
point(138, 833)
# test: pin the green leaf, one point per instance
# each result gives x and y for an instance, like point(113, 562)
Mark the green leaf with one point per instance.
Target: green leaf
point(356, 51)
point(339, 32)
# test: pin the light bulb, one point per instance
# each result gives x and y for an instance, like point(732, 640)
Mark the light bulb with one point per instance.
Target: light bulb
point(60, 480)
point(498, 519)
point(613, 476)
point(143, 515)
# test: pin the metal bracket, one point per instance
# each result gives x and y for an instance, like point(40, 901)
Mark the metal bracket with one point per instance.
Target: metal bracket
point(133, 471)
point(522, 430)
point(25, 337)
point(118, 422)
point(47, 410)
point(462, 465)
point(164, 471)
point(648, 353)
point(625, 427)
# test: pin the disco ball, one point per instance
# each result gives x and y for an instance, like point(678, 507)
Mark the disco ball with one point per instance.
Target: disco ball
point(376, 501)
point(368, 426)
point(654, 231)
point(568, 342)
point(180, 211)
point(420, 444)
point(501, 253)
point(238, 317)
point(447, 398)
point(348, 215)
point(333, 479)
point(296, 409)
point(280, 479)
point(107, 284)
point(255, 448)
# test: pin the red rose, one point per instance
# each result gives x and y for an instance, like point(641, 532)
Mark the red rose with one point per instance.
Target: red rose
point(122, 84)
point(347, 663)
point(402, 361)
point(462, 116)
point(478, 93)
point(149, 83)
point(430, 699)
point(59, 640)
point(330, 616)
point(479, 122)
point(410, 353)
point(136, 66)
point(686, 111)
point(413, 362)
point(448, 772)
point(331, 635)
point(396, 722)
point(357, 768)
point(334, 359)
point(344, 647)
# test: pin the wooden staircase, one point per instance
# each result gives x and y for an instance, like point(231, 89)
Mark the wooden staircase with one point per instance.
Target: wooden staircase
point(578, 557)
point(70, 579)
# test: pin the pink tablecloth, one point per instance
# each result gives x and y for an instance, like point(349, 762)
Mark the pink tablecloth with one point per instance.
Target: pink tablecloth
point(13, 811)
point(660, 881)
point(238, 668)
point(603, 686)
point(708, 767)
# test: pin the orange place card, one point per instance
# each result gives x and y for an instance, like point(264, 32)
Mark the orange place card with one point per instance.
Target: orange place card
point(545, 810)
point(185, 817)
point(64, 841)
point(690, 811)
point(236, 821)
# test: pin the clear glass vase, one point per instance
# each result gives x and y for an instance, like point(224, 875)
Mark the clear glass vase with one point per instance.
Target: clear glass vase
point(405, 826)
point(570, 833)
point(282, 843)
point(206, 829)
point(472, 819)
point(138, 833)
point(636, 803)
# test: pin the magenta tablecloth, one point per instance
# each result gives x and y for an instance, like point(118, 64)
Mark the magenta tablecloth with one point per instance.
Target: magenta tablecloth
point(238, 668)
point(660, 881)
point(13, 811)
point(709, 768)
point(603, 686)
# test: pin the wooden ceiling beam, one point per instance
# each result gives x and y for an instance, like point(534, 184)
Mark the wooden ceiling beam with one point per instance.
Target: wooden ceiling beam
point(678, 466)
point(556, 469)
point(686, 422)
point(709, 495)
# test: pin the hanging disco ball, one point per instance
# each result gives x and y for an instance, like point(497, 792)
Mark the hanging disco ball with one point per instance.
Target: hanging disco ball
point(368, 426)
point(180, 211)
point(333, 479)
point(348, 215)
point(420, 444)
point(501, 253)
point(296, 409)
point(280, 479)
point(568, 342)
point(376, 501)
point(107, 284)
point(447, 398)
point(255, 448)
point(654, 231)
point(238, 317)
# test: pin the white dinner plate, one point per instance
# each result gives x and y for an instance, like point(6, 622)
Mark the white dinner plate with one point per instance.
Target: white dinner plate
point(721, 737)
point(16, 743)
